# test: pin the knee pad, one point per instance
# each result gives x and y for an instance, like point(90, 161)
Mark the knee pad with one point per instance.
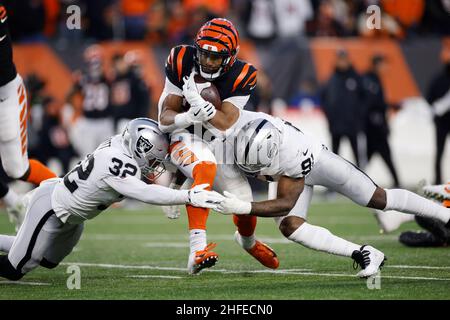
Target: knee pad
point(8, 271)
point(15, 164)
point(48, 264)
point(15, 172)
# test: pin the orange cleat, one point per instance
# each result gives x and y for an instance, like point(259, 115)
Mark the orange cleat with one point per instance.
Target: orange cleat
point(261, 252)
point(202, 259)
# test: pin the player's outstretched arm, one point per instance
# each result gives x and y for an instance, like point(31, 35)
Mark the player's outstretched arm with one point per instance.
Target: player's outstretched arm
point(132, 187)
point(288, 192)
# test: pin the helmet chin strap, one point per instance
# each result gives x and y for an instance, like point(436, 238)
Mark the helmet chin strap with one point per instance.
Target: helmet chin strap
point(210, 76)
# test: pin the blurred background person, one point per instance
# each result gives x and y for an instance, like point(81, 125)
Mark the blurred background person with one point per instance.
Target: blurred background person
point(438, 96)
point(259, 20)
point(261, 98)
point(48, 138)
point(343, 103)
point(376, 125)
point(130, 97)
point(134, 14)
point(93, 118)
point(307, 95)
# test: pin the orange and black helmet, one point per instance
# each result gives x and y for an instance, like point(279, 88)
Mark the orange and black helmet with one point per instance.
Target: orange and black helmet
point(220, 38)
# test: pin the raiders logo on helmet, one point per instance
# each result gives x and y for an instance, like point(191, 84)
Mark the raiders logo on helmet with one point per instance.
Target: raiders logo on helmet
point(143, 145)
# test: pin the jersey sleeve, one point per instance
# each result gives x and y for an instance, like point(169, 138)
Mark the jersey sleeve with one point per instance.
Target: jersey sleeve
point(179, 63)
point(7, 68)
point(245, 81)
point(132, 187)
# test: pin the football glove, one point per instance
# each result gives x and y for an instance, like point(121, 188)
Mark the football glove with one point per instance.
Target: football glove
point(202, 110)
point(199, 197)
point(232, 205)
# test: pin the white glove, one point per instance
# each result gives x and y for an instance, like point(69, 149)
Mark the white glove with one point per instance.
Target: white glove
point(199, 197)
point(172, 212)
point(195, 115)
point(232, 205)
point(202, 110)
point(202, 113)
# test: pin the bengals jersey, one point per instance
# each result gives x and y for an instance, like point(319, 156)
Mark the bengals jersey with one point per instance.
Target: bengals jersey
point(96, 96)
point(7, 69)
point(238, 81)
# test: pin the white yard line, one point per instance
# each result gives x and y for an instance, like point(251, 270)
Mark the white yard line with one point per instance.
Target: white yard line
point(282, 271)
point(25, 283)
point(120, 266)
point(215, 237)
point(417, 267)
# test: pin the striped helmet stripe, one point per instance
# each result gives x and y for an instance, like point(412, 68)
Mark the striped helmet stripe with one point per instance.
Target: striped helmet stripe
point(212, 39)
point(227, 28)
point(252, 138)
point(220, 32)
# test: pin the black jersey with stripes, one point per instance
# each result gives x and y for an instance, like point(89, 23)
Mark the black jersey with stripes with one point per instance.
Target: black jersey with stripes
point(7, 69)
point(239, 80)
point(96, 96)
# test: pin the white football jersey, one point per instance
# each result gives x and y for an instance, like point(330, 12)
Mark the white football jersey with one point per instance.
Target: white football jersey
point(297, 153)
point(106, 176)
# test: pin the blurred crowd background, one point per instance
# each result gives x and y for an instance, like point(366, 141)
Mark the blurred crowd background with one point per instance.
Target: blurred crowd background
point(319, 65)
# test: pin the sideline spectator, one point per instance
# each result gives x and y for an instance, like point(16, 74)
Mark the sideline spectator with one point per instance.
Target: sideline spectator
point(342, 101)
point(376, 126)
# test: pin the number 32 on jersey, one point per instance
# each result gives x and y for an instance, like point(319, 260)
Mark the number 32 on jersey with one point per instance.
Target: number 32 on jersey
point(83, 170)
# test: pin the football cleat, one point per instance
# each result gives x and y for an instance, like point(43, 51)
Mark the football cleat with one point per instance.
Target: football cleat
point(202, 259)
point(369, 259)
point(421, 239)
point(261, 252)
point(439, 192)
point(16, 214)
point(391, 220)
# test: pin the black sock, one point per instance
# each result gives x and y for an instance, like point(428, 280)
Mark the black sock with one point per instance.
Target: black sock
point(3, 189)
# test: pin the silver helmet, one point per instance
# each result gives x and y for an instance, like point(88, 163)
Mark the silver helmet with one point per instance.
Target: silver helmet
point(256, 146)
point(148, 146)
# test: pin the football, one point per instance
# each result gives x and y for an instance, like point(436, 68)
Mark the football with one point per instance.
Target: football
point(210, 93)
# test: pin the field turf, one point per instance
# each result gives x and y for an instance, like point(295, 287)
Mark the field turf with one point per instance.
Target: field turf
point(140, 254)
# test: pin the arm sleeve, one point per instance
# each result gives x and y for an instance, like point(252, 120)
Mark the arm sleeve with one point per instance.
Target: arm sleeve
point(132, 187)
point(238, 101)
point(170, 88)
point(176, 66)
point(245, 82)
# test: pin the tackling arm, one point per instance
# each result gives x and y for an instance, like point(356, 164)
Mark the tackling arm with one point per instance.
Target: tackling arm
point(134, 188)
point(131, 187)
point(288, 192)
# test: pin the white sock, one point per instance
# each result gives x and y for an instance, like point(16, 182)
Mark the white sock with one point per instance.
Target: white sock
point(247, 242)
point(6, 243)
point(197, 240)
point(321, 239)
point(11, 198)
point(409, 202)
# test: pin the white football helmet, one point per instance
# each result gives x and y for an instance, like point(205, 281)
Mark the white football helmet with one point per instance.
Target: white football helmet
point(148, 146)
point(256, 146)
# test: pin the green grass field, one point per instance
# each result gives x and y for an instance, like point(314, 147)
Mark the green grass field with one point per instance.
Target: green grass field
point(142, 255)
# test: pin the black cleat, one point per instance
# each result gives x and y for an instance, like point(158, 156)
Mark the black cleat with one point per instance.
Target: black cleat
point(421, 239)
